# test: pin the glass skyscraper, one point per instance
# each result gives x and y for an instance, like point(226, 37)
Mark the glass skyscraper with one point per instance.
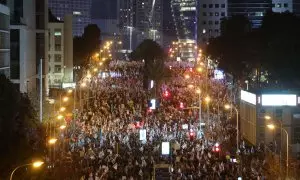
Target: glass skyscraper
point(184, 14)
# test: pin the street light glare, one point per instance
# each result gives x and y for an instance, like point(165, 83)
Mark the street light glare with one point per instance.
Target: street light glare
point(227, 106)
point(271, 126)
point(37, 164)
point(60, 117)
point(52, 141)
point(198, 91)
point(62, 109)
point(207, 99)
point(62, 127)
point(267, 117)
point(70, 91)
point(65, 99)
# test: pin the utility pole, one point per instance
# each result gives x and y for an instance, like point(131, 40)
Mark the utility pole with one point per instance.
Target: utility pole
point(41, 90)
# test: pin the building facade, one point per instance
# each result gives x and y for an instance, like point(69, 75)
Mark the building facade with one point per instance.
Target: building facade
point(254, 10)
point(282, 109)
point(4, 40)
point(80, 9)
point(280, 6)
point(60, 52)
point(184, 13)
point(28, 27)
point(209, 21)
point(139, 20)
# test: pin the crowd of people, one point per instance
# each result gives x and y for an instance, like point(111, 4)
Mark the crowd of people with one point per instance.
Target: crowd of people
point(103, 141)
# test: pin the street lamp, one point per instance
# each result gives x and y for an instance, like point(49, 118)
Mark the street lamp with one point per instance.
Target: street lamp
point(62, 109)
point(272, 127)
point(227, 107)
point(59, 117)
point(198, 91)
point(267, 117)
point(62, 127)
point(52, 141)
point(70, 91)
point(65, 99)
point(35, 164)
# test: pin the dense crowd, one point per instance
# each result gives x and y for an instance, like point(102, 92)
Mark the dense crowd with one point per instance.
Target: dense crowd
point(103, 140)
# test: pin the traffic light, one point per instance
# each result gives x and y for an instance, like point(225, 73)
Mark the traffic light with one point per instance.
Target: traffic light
point(166, 94)
point(181, 105)
point(216, 148)
point(192, 135)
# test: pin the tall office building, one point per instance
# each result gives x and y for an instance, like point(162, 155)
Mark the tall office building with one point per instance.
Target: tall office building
point(149, 20)
point(280, 6)
point(4, 40)
point(296, 7)
point(254, 10)
point(139, 20)
point(60, 52)
point(28, 39)
point(209, 19)
point(184, 13)
point(81, 10)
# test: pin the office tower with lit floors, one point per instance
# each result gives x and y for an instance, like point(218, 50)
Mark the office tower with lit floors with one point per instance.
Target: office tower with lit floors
point(80, 9)
point(184, 14)
point(254, 10)
point(209, 19)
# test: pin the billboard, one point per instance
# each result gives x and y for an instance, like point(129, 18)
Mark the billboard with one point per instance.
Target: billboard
point(279, 99)
point(218, 74)
point(248, 97)
point(143, 135)
point(165, 148)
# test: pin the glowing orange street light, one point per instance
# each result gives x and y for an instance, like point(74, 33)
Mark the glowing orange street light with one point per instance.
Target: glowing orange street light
point(187, 76)
point(52, 141)
point(62, 109)
point(65, 99)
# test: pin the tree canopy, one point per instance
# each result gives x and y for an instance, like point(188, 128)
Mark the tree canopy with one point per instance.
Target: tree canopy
point(86, 45)
point(273, 48)
point(154, 56)
point(21, 134)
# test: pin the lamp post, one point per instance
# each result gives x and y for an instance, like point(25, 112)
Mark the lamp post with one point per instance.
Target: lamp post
point(227, 106)
point(130, 35)
point(198, 91)
point(272, 127)
point(35, 164)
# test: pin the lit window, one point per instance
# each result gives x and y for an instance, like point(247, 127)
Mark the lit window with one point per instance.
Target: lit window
point(76, 13)
point(278, 5)
point(57, 33)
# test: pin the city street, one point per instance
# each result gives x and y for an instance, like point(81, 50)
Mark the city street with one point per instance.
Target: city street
point(117, 133)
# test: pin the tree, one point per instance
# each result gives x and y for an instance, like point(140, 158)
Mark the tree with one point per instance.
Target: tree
point(21, 134)
point(154, 56)
point(273, 50)
point(86, 45)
